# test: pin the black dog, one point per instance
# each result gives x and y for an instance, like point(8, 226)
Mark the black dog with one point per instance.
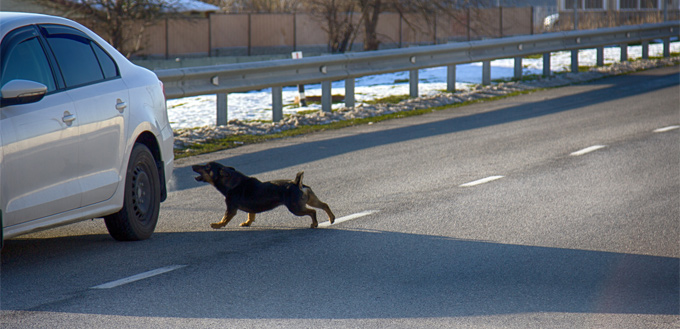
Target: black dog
point(253, 196)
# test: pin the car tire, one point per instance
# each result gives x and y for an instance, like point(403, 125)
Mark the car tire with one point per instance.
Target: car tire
point(137, 219)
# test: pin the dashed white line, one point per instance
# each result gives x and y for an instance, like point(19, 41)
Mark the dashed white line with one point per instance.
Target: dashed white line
point(481, 181)
point(665, 129)
point(349, 217)
point(588, 150)
point(138, 277)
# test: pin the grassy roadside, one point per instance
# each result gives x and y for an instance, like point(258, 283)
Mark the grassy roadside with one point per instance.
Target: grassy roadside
point(240, 140)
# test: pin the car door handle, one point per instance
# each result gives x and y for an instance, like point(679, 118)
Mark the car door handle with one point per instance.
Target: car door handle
point(120, 105)
point(68, 118)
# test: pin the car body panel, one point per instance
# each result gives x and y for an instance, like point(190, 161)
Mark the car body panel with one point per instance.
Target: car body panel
point(99, 142)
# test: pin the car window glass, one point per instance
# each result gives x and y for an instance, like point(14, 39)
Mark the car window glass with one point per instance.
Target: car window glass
point(77, 60)
point(27, 61)
point(108, 65)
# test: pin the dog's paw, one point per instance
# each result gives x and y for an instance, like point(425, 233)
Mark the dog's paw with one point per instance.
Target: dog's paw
point(314, 225)
point(216, 225)
point(244, 224)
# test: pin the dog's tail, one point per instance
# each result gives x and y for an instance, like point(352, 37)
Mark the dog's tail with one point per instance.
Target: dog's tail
point(298, 179)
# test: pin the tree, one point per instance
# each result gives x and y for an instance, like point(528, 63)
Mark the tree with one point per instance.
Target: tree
point(339, 17)
point(120, 22)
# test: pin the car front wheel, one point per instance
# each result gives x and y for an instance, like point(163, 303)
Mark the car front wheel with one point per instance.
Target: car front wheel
point(137, 220)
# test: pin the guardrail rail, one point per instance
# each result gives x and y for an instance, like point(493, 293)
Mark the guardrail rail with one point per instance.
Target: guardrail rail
point(230, 78)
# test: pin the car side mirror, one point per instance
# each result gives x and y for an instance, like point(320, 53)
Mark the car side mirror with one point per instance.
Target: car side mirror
point(21, 92)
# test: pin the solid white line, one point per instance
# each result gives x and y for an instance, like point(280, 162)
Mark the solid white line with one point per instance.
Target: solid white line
point(588, 150)
point(138, 277)
point(349, 217)
point(665, 129)
point(481, 181)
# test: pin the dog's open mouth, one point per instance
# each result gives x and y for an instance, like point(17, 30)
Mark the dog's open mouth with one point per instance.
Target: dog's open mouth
point(199, 179)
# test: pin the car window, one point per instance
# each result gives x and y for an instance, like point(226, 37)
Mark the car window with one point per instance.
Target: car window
point(109, 67)
point(26, 60)
point(80, 59)
point(77, 61)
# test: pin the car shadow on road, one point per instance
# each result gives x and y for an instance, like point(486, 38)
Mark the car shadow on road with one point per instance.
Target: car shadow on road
point(299, 153)
point(292, 273)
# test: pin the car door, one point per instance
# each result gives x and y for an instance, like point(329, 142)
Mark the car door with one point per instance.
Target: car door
point(101, 99)
point(40, 139)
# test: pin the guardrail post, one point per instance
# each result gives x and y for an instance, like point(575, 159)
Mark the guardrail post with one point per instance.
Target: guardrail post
point(326, 96)
point(518, 68)
point(349, 92)
point(645, 49)
point(222, 114)
point(546, 64)
point(624, 52)
point(451, 78)
point(574, 61)
point(666, 47)
point(486, 73)
point(277, 104)
point(600, 56)
point(413, 83)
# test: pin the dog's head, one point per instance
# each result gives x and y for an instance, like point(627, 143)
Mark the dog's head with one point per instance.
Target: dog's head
point(215, 174)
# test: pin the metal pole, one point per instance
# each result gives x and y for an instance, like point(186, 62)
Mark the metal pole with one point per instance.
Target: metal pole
point(277, 104)
point(600, 56)
point(413, 83)
point(222, 113)
point(518, 68)
point(451, 78)
point(326, 96)
point(546, 64)
point(349, 92)
point(486, 73)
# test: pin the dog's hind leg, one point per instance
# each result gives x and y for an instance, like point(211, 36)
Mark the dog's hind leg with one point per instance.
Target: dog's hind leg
point(314, 201)
point(251, 219)
point(228, 215)
point(302, 211)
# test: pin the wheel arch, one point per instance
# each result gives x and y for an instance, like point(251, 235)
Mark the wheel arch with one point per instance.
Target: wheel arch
point(149, 140)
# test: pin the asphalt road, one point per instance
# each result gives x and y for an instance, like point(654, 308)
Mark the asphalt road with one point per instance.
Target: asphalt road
point(556, 209)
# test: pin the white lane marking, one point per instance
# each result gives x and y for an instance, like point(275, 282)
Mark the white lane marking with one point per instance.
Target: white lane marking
point(481, 181)
point(665, 129)
point(349, 217)
point(138, 277)
point(588, 150)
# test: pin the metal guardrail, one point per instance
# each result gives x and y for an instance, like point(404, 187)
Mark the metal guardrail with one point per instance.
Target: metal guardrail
point(230, 78)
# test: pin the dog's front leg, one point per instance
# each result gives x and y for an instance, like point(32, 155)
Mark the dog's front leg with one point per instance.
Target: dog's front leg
point(251, 219)
point(228, 215)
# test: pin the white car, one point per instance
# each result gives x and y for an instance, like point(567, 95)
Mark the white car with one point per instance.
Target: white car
point(84, 133)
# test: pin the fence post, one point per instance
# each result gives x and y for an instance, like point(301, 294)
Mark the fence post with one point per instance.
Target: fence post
point(645, 49)
point(250, 33)
point(277, 103)
point(349, 92)
point(666, 47)
point(518, 68)
point(413, 83)
point(574, 61)
point(326, 96)
point(486, 73)
point(451, 78)
point(222, 113)
point(546, 64)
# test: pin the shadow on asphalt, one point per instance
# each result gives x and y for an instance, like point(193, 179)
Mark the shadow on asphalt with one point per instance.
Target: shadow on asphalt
point(287, 156)
point(288, 273)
